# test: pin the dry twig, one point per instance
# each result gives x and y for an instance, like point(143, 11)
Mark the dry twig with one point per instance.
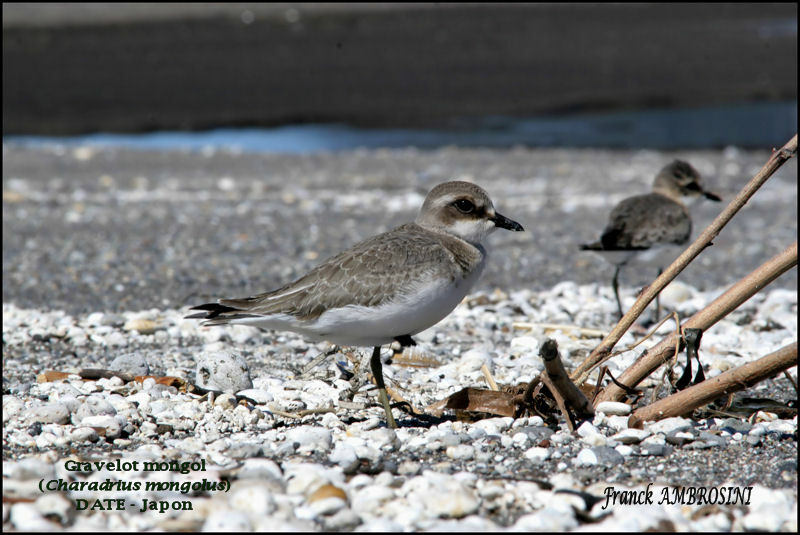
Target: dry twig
point(724, 384)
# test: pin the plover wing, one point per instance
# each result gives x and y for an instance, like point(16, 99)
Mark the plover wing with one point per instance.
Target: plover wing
point(646, 220)
point(393, 284)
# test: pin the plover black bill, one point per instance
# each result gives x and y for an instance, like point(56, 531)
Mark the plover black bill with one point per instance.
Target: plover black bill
point(651, 228)
point(386, 288)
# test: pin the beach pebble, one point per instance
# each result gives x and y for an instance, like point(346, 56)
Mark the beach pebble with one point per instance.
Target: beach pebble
point(257, 395)
point(56, 506)
point(537, 455)
point(133, 363)
point(602, 455)
point(631, 436)
point(443, 496)
point(310, 439)
point(345, 456)
point(613, 408)
point(669, 425)
point(252, 496)
point(224, 371)
point(106, 425)
point(56, 413)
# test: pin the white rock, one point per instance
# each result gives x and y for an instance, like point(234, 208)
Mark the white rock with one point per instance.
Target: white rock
point(53, 504)
point(258, 395)
point(462, 451)
point(225, 401)
point(84, 434)
point(328, 506)
point(472, 361)
point(133, 363)
point(223, 370)
point(108, 423)
point(252, 496)
point(537, 455)
point(56, 413)
point(631, 436)
point(345, 456)
point(310, 438)
point(26, 517)
point(443, 496)
point(676, 293)
point(614, 408)
point(669, 425)
point(548, 519)
point(369, 499)
point(95, 405)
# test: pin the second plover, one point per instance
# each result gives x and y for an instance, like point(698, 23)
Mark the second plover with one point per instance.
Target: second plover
point(386, 288)
point(651, 227)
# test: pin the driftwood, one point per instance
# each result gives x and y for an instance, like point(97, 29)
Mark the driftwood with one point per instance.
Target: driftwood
point(557, 380)
point(603, 351)
point(724, 384)
point(740, 292)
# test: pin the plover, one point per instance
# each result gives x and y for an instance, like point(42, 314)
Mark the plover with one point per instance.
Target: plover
point(650, 227)
point(386, 288)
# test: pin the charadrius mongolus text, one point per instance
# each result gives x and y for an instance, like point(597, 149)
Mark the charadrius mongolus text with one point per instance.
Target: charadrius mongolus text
point(651, 227)
point(386, 288)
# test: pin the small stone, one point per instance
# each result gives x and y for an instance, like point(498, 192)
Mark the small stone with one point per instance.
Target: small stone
point(51, 413)
point(142, 326)
point(53, 505)
point(669, 425)
point(537, 455)
point(106, 425)
point(655, 450)
point(602, 455)
point(95, 405)
point(345, 456)
point(614, 408)
point(224, 371)
point(133, 363)
point(26, 517)
point(225, 401)
point(84, 434)
point(258, 396)
point(631, 436)
point(679, 438)
point(310, 438)
point(252, 496)
point(462, 452)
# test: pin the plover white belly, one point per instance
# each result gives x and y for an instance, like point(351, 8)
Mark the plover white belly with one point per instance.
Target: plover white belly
point(388, 287)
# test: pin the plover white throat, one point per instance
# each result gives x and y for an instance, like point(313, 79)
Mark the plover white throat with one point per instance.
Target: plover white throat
point(650, 228)
point(386, 288)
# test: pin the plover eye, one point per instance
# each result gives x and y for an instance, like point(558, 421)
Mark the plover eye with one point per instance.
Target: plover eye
point(464, 206)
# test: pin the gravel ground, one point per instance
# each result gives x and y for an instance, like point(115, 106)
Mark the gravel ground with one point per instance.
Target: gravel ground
point(102, 250)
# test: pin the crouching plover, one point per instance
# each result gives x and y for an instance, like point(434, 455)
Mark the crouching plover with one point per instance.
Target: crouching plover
point(650, 227)
point(388, 287)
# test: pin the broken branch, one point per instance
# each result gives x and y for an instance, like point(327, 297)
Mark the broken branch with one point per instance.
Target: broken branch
point(724, 384)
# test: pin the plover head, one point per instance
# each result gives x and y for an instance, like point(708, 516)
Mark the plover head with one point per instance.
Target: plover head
point(679, 180)
point(464, 210)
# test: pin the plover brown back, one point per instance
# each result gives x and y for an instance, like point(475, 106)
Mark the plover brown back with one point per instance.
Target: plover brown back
point(386, 288)
point(651, 227)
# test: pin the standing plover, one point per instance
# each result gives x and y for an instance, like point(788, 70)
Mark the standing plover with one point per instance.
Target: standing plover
point(651, 227)
point(388, 287)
